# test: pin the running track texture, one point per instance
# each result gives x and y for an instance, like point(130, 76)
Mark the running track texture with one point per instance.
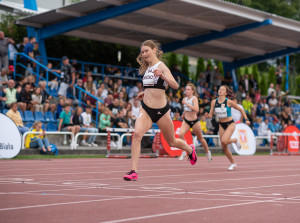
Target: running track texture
point(260, 189)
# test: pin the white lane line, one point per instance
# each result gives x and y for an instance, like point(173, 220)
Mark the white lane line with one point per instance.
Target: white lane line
point(188, 211)
point(78, 202)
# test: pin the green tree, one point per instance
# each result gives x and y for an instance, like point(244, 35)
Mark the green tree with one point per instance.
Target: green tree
point(263, 87)
point(272, 77)
point(255, 73)
point(200, 66)
point(185, 65)
point(7, 25)
point(247, 70)
point(220, 66)
point(173, 60)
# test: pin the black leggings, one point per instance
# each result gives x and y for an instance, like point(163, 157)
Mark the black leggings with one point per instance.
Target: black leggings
point(155, 113)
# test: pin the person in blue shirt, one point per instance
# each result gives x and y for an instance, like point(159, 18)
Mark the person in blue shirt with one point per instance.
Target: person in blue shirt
point(274, 126)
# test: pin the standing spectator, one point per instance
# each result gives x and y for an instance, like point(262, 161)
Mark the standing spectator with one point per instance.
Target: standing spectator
point(13, 50)
point(87, 123)
point(247, 85)
point(37, 100)
point(217, 78)
point(271, 89)
point(38, 140)
point(15, 115)
point(278, 74)
point(67, 72)
point(208, 75)
point(4, 50)
point(65, 123)
point(252, 82)
point(28, 50)
point(248, 106)
point(22, 45)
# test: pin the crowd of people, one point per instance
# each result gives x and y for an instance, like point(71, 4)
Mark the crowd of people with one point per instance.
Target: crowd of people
point(117, 104)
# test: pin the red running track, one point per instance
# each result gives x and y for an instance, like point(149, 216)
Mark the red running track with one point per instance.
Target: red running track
point(260, 189)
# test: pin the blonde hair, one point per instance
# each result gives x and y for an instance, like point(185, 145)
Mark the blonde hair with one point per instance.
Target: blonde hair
point(192, 86)
point(36, 123)
point(159, 53)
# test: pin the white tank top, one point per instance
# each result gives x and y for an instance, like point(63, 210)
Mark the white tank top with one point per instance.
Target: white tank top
point(150, 81)
point(190, 101)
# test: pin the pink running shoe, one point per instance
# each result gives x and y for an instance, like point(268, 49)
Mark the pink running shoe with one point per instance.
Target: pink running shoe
point(131, 176)
point(193, 156)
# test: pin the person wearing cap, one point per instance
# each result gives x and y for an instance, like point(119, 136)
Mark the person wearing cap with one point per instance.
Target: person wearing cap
point(66, 73)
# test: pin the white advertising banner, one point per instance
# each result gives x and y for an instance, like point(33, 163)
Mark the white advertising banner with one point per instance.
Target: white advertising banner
point(246, 137)
point(10, 138)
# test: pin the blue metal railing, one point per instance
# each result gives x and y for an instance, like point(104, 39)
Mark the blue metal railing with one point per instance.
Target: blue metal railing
point(36, 72)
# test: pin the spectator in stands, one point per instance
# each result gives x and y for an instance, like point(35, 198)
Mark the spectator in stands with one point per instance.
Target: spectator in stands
point(28, 50)
point(205, 104)
point(278, 74)
point(60, 107)
point(115, 90)
point(105, 81)
point(274, 126)
point(102, 92)
point(38, 140)
point(238, 93)
point(122, 96)
point(67, 74)
point(87, 123)
point(127, 108)
point(217, 78)
point(37, 100)
point(109, 99)
point(4, 41)
point(257, 95)
point(105, 120)
point(120, 122)
point(176, 105)
point(271, 89)
point(285, 115)
point(89, 85)
point(77, 120)
point(46, 97)
point(263, 129)
point(133, 92)
point(208, 75)
point(25, 101)
point(10, 93)
point(273, 102)
point(15, 115)
point(247, 105)
point(31, 81)
point(129, 120)
point(252, 82)
point(66, 124)
point(90, 100)
point(22, 45)
point(246, 83)
point(3, 78)
point(114, 108)
point(78, 94)
point(177, 117)
point(135, 109)
point(2, 101)
point(227, 79)
point(10, 74)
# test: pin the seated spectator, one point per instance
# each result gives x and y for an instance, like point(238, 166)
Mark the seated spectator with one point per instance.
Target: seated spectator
point(175, 104)
point(177, 117)
point(37, 99)
point(10, 93)
point(104, 122)
point(135, 109)
point(129, 120)
point(102, 92)
point(114, 108)
point(87, 123)
point(91, 101)
point(46, 98)
point(3, 79)
point(78, 94)
point(25, 101)
point(31, 82)
point(285, 115)
point(60, 107)
point(133, 92)
point(89, 85)
point(65, 122)
point(2, 101)
point(273, 102)
point(203, 124)
point(263, 129)
point(274, 126)
point(38, 140)
point(109, 99)
point(15, 115)
point(78, 121)
point(120, 121)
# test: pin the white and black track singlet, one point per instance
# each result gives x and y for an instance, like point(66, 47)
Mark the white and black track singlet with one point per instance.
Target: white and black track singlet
point(150, 81)
point(189, 101)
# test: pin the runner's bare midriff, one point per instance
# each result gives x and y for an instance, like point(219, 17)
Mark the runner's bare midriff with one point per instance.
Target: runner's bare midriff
point(155, 98)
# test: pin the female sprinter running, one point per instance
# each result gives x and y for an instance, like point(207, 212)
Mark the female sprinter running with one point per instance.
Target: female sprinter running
point(190, 120)
point(222, 108)
point(155, 109)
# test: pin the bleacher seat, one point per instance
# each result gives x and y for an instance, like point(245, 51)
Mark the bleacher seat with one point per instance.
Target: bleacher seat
point(49, 117)
point(22, 115)
point(51, 127)
point(29, 124)
point(39, 116)
point(28, 116)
